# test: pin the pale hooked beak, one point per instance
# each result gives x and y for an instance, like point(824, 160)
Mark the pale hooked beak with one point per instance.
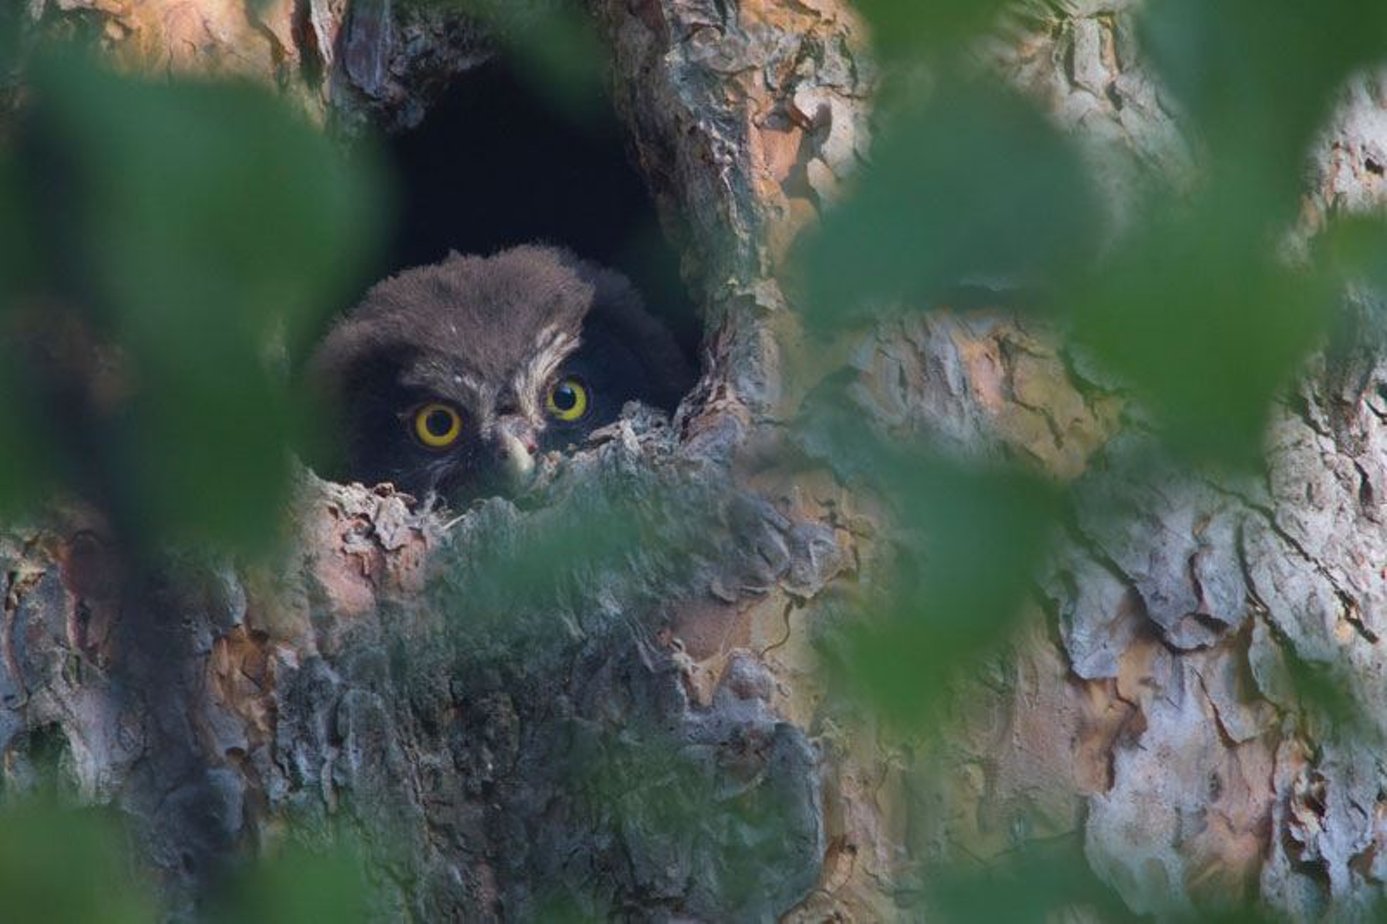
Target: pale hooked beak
point(516, 445)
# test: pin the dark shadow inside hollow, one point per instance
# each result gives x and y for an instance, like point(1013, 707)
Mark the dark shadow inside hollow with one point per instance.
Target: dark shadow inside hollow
point(497, 163)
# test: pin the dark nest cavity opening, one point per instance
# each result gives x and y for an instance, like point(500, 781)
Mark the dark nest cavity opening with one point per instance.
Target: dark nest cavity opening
point(497, 163)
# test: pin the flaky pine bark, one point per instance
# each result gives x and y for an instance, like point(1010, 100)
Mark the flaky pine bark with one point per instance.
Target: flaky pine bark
point(1154, 726)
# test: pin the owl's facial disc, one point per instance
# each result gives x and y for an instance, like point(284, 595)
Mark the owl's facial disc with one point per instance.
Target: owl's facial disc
point(450, 378)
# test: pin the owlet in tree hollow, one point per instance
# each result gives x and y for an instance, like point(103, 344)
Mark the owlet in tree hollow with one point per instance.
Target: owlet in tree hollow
point(450, 378)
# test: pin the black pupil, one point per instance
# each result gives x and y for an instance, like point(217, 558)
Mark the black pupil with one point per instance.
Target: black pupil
point(439, 422)
point(565, 398)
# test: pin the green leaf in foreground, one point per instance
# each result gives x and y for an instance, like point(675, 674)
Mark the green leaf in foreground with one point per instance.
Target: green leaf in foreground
point(1257, 78)
point(957, 581)
point(1201, 317)
point(1354, 250)
point(554, 47)
point(298, 886)
point(65, 866)
point(1039, 884)
point(191, 226)
point(973, 185)
point(909, 28)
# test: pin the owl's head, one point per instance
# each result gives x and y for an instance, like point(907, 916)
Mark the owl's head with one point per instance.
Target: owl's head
point(449, 379)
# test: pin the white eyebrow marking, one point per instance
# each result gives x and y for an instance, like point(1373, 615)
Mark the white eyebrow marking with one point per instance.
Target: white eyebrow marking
point(486, 406)
point(552, 347)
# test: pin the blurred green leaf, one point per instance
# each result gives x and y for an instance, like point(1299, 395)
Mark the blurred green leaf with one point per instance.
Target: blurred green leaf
point(60, 865)
point(554, 46)
point(972, 536)
point(713, 807)
point(600, 544)
point(562, 906)
point(26, 465)
point(974, 185)
point(1041, 884)
point(1328, 695)
point(296, 885)
point(982, 533)
point(11, 20)
point(544, 559)
point(902, 28)
point(1257, 77)
point(1207, 323)
point(194, 226)
point(1253, 914)
point(1196, 309)
point(202, 209)
point(1353, 249)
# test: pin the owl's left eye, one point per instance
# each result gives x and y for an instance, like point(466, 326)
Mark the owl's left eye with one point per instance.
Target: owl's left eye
point(568, 400)
point(437, 425)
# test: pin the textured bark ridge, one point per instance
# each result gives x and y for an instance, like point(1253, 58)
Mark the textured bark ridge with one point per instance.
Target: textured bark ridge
point(501, 752)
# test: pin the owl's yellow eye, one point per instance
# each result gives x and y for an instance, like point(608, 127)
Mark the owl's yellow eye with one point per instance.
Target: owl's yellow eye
point(568, 400)
point(437, 425)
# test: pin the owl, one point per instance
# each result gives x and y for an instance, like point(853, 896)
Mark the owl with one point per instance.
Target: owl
point(449, 379)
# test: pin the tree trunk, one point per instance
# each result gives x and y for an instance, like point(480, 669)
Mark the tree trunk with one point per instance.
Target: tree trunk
point(650, 733)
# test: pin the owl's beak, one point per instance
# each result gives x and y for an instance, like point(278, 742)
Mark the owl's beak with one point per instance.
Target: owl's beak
point(515, 449)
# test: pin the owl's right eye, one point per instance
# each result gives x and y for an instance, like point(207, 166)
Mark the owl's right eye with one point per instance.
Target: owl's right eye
point(437, 425)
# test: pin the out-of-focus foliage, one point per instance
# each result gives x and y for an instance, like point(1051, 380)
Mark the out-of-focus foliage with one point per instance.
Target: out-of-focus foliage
point(1256, 78)
point(62, 865)
point(510, 580)
point(1197, 308)
point(191, 226)
point(968, 185)
point(910, 30)
point(970, 538)
point(679, 811)
point(555, 47)
point(1355, 249)
point(1194, 307)
point(1197, 313)
point(298, 886)
point(1192, 303)
point(957, 591)
point(1031, 885)
point(59, 865)
point(189, 230)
